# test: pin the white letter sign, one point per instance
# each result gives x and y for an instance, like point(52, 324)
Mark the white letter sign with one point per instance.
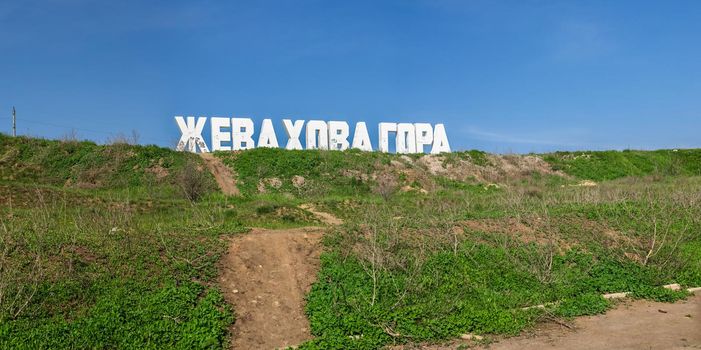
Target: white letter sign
point(237, 134)
point(338, 135)
point(267, 137)
point(317, 135)
point(440, 140)
point(191, 134)
point(385, 129)
point(219, 136)
point(361, 138)
point(406, 138)
point(293, 131)
point(242, 134)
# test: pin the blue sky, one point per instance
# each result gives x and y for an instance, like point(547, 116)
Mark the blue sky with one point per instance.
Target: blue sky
point(503, 76)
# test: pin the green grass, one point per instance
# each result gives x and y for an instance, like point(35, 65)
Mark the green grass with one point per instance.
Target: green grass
point(93, 277)
point(477, 288)
point(410, 278)
point(325, 172)
point(130, 315)
point(148, 170)
point(475, 156)
point(609, 165)
point(585, 304)
point(101, 249)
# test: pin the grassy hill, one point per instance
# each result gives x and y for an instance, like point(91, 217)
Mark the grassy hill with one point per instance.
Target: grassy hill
point(86, 165)
point(610, 165)
point(99, 248)
point(116, 246)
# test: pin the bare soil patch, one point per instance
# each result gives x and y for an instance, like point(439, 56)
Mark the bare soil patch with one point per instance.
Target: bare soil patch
point(636, 325)
point(222, 174)
point(265, 275)
point(633, 325)
point(499, 168)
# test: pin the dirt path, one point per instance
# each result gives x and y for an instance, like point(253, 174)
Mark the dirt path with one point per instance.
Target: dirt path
point(224, 176)
point(637, 325)
point(324, 217)
point(265, 275)
point(633, 325)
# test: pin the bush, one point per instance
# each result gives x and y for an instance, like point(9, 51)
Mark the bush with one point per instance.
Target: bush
point(192, 180)
point(582, 305)
point(386, 185)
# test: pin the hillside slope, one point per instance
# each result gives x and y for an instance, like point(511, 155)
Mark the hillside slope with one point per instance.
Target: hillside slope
point(101, 247)
point(429, 247)
point(315, 173)
point(438, 246)
point(86, 165)
point(610, 165)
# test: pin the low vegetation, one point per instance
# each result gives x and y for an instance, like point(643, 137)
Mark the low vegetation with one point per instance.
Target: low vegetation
point(610, 165)
point(116, 246)
point(430, 267)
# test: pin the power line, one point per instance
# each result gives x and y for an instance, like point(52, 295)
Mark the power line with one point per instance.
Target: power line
point(31, 121)
point(108, 123)
point(66, 126)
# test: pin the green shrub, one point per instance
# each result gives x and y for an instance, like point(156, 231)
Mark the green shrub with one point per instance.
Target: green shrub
point(582, 305)
point(658, 294)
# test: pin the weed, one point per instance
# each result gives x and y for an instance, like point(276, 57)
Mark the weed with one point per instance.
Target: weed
point(582, 305)
point(91, 234)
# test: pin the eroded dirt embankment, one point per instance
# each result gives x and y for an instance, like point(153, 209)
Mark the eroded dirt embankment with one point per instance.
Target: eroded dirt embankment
point(225, 177)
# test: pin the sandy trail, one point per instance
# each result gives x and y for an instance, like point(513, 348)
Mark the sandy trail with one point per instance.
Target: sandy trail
point(633, 325)
point(324, 217)
point(224, 176)
point(265, 275)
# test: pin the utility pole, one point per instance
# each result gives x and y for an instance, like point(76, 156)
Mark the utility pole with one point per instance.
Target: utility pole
point(14, 122)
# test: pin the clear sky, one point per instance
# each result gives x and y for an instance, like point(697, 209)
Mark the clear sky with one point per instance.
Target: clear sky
point(504, 76)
